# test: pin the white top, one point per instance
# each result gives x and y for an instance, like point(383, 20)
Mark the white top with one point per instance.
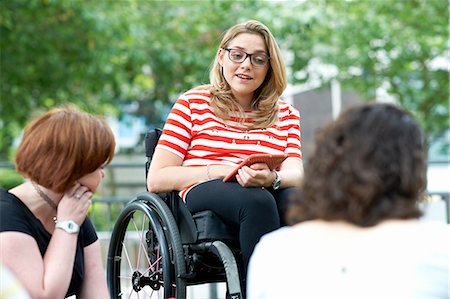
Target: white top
point(317, 259)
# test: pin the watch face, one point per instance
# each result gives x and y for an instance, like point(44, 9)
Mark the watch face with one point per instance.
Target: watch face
point(69, 226)
point(277, 183)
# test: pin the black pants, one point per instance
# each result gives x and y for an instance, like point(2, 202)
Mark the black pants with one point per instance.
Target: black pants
point(253, 212)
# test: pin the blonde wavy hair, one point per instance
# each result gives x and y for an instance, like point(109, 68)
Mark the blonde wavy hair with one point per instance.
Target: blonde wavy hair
point(265, 98)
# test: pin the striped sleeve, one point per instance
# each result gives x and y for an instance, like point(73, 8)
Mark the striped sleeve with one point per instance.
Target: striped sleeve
point(176, 135)
point(290, 120)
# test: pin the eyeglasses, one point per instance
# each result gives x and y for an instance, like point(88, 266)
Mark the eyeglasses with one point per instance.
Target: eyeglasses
point(258, 59)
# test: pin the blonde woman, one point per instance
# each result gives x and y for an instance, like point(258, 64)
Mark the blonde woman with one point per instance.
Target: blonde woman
point(212, 128)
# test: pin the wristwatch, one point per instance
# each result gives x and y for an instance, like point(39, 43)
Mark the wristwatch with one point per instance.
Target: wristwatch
point(69, 226)
point(277, 182)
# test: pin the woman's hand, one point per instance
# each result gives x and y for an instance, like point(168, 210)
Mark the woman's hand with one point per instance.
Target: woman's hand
point(74, 204)
point(257, 175)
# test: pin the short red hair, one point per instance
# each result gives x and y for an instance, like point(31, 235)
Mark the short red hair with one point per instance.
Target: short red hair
point(63, 145)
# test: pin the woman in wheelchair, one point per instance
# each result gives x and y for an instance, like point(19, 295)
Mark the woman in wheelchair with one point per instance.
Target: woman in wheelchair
point(212, 128)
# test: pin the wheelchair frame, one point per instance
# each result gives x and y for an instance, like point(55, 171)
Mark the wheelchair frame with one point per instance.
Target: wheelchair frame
point(175, 250)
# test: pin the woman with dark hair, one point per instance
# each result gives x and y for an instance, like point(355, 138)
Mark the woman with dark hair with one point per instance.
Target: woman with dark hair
point(356, 232)
point(46, 239)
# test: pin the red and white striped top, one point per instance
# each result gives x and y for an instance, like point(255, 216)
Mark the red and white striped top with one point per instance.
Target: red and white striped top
point(194, 133)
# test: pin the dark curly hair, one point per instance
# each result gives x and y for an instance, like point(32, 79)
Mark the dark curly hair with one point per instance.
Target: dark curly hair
point(367, 166)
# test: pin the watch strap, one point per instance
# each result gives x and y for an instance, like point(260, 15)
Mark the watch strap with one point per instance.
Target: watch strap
point(68, 226)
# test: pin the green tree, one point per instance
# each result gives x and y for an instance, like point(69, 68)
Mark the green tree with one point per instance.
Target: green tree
point(391, 44)
point(177, 41)
point(55, 52)
point(105, 55)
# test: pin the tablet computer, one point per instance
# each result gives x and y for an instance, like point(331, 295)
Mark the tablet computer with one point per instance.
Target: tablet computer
point(272, 161)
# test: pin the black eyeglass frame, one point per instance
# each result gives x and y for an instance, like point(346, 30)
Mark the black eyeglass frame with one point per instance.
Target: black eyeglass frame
point(247, 55)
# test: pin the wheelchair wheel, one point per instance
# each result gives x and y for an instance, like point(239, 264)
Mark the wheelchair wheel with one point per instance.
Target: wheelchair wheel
point(145, 258)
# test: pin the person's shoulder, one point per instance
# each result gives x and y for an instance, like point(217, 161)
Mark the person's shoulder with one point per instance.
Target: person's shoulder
point(4, 193)
point(272, 242)
point(14, 215)
point(288, 108)
point(197, 98)
point(278, 236)
point(435, 229)
point(424, 237)
point(7, 198)
point(7, 202)
point(433, 244)
point(198, 91)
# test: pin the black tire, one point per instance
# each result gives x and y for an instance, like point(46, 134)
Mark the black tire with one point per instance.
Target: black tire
point(151, 270)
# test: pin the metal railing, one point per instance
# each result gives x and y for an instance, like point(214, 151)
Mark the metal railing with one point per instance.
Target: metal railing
point(111, 208)
point(104, 210)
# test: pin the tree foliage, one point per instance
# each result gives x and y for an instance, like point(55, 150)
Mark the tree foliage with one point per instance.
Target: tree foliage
point(106, 56)
point(401, 46)
point(55, 52)
point(103, 55)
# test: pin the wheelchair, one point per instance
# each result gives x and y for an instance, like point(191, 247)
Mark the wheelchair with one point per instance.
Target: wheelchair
point(158, 248)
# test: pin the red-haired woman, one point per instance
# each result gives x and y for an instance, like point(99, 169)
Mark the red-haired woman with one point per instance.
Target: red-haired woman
point(46, 239)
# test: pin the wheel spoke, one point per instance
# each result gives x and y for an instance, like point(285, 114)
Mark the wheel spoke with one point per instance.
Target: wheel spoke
point(141, 241)
point(131, 293)
point(124, 277)
point(156, 263)
point(148, 295)
point(127, 256)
